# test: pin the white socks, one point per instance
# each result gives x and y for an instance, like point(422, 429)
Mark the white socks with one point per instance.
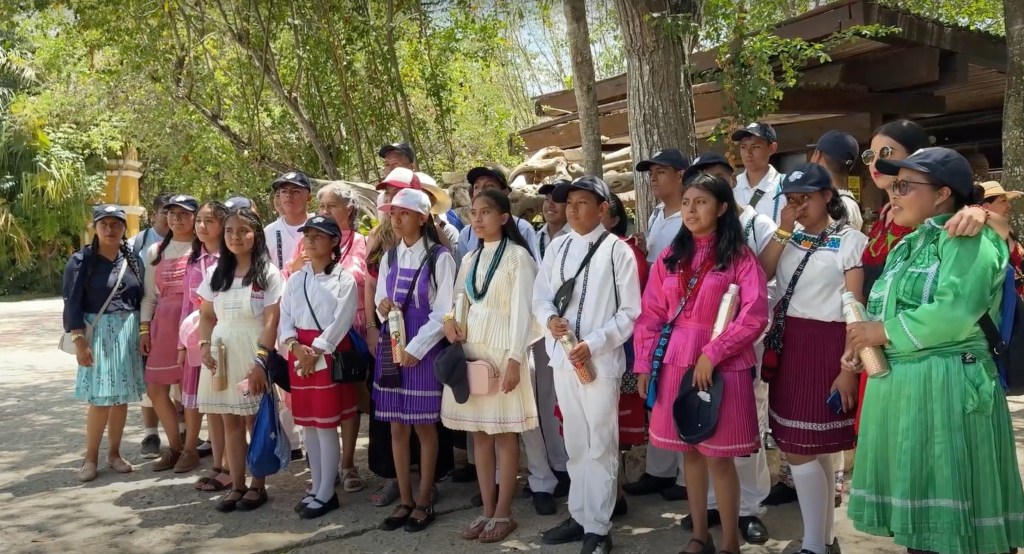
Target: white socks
point(817, 502)
point(330, 455)
point(151, 431)
point(828, 465)
point(313, 457)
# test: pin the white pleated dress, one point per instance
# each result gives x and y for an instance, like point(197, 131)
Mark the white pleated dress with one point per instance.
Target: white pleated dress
point(500, 326)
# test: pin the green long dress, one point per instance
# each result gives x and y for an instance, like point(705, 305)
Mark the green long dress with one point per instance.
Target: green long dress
point(936, 465)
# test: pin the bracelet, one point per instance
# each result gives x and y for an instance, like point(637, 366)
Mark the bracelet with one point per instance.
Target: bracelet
point(447, 317)
point(784, 233)
point(144, 326)
point(371, 325)
point(781, 239)
point(263, 352)
point(143, 332)
point(204, 342)
point(76, 336)
point(260, 362)
point(984, 209)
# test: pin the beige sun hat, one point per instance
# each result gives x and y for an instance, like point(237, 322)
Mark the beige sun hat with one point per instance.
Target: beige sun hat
point(993, 189)
point(440, 200)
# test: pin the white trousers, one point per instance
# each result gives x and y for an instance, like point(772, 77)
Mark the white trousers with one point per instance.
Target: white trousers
point(665, 463)
point(591, 431)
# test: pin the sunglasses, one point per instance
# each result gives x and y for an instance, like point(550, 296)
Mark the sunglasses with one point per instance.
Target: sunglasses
point(869, 156)
point(901, 187)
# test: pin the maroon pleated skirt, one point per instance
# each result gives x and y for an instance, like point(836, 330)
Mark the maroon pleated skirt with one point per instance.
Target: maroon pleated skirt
point(800, 419)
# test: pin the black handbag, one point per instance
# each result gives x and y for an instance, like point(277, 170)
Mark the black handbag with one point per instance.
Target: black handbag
point(564, 293)
point(349, 366)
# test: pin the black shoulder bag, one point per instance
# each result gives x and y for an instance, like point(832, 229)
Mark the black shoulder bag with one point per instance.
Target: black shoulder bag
point(773, 340)
point(564, 293)
point(350, 366)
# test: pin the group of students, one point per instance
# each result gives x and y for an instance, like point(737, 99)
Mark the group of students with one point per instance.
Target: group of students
point(560, 338)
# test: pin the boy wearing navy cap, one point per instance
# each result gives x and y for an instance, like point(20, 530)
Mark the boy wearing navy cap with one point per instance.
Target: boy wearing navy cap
point(759, 179)
point(291, 191)
point(600, 310)
point(837, 152)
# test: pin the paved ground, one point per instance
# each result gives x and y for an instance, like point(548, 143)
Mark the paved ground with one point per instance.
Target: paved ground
point(46, 510)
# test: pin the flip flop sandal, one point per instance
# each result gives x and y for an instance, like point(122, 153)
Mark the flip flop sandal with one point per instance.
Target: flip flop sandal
point(385, 494)
point(216, 485)
point(205, 480)
point(353, 482)
point(474, 530)
point(510, 527)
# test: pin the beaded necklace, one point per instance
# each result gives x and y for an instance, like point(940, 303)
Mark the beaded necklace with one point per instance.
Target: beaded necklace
point(477, 295)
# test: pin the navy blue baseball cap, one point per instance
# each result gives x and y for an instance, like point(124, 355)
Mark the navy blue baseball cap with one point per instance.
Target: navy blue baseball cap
point(547, 189)
point(587, 182)
point(839, 146)
point(946, 167)
point(756, 129)
point(296, 178)
point(704, 161)
point(670, 157)
point(695, 412)
point(321, 223)
point(806, 178)
point(183, 201)
point(238, 203)
point(108, 210)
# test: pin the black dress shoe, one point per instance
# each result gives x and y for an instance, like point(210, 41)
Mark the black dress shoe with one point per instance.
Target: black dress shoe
point(621, 508)
point(315, 509)
point(564, 482)
point(674, 493)
point(527, 491)
point(414, 525)
point(544, 503)
point(596, 544)
point(648, 484)
point(465, 474)
point(779, 495)
point(296, 454)
point(753, 530)
point(833, 548)
point(565, 532)
point(714, 520)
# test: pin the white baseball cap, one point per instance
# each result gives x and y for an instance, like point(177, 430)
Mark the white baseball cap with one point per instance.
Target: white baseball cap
point(410, 199)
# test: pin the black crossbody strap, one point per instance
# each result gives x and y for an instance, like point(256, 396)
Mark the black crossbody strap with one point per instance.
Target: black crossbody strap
point(590, 254)
point(758, 194)
point(311, 311)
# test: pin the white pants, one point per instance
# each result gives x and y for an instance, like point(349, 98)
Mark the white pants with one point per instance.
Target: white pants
point(591, 431)
point(665, 463)
point(284, 415)
point(755, 478)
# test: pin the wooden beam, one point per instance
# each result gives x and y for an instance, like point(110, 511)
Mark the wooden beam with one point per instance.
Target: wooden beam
point(892, 70)
point(795, 137)
point(608, 90)
point(606, 108)
point(567, 134)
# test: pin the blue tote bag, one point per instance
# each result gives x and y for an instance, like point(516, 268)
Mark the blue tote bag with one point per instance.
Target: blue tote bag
point(269, 451)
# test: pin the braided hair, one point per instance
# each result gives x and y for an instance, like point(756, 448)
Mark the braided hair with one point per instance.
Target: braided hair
point(124, 248)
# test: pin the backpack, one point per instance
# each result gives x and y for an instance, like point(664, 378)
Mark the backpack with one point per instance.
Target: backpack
point(1007, 340)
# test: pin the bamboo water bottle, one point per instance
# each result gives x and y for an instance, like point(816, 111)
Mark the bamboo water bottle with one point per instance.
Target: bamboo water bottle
point(585, 372)
point(872, 359)
point(396, 326)
point(726, 310)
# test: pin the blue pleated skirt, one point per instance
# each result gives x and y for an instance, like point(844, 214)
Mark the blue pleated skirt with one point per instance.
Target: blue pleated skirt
point(116, 376)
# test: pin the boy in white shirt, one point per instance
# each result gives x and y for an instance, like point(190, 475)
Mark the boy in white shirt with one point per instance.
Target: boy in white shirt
point(590, 419)
point(759, 184)
point(291, 192)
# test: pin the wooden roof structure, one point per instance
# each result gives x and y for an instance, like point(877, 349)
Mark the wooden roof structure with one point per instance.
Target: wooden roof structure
point(925, 70)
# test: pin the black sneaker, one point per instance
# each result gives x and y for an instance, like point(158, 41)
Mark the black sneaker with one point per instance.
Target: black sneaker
point(648, 484)
point(675, 493)
point(465, 474)
point(150, 448)
point(566, 532)
point(544, 504)
point(564, 482)
point(596, 544)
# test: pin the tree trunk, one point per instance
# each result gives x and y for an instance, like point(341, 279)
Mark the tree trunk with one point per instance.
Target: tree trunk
point(1013, 106)
point(659, 103)
point(402, 99)
point(584, 84)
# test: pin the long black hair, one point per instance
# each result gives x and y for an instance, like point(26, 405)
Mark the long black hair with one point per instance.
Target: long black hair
point(431, 237)
point(224, 274)
point(220, 211)
point(618, 210)
point(835, 207)
point(170, 236)
point(729, 241)
point(510, 230)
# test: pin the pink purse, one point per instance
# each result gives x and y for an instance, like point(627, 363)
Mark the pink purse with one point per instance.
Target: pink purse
point(483, 378)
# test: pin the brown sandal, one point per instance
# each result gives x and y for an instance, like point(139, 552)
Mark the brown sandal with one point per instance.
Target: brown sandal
point(510, 527)
point(474, 530)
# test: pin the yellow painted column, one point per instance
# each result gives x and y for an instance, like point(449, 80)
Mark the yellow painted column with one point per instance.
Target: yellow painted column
point(123, 186)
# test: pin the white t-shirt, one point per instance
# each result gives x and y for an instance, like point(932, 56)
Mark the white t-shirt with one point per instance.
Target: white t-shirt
point(818, 293)
point(260, 299)
point(661, 231)
point(283, 251)
point(758, 230)
point(771, 184)
point(853, 215)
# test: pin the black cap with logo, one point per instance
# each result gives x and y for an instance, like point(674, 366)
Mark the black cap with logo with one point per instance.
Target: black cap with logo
point(704, 161)
point(296, 178)
point(756, 129)
point(108, 210)
point(944, 165)
point(402, 147)
point(806, 178)
point(588, 183)
point(669, 157)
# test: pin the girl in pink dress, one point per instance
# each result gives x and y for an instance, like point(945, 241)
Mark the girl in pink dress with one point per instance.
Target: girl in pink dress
point(161, 319)
point(205, 253)
point(707, 256)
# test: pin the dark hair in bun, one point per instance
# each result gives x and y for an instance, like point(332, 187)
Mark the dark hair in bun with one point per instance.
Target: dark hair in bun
point(910, 135)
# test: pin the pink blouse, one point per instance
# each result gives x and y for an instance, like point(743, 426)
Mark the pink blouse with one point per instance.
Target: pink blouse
point(733, 350)
point(194, 274)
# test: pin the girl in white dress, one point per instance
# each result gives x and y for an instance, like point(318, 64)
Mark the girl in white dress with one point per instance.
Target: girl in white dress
point(238, 319)
point(498, 280)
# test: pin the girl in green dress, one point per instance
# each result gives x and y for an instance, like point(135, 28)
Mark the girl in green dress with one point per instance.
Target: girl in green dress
point(936, 464)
